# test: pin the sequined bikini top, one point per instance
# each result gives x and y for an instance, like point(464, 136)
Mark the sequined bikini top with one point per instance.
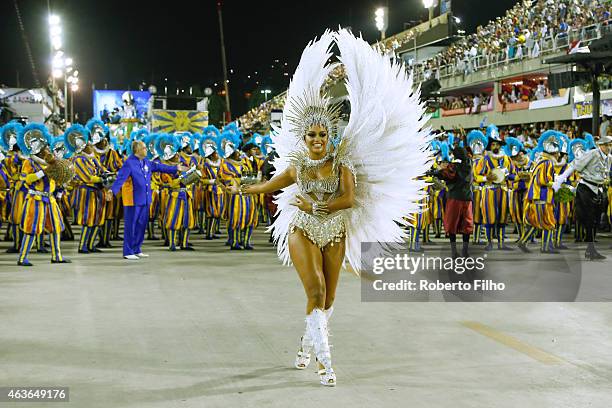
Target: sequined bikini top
point(306, 172)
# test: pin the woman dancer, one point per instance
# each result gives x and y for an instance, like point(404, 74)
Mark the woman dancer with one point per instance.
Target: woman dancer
point(335, 198)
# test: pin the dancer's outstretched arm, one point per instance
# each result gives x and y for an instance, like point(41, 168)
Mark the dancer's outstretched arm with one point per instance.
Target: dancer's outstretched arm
point(278, 182)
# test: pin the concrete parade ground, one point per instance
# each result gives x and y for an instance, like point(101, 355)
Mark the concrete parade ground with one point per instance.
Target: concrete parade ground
point(220, 328)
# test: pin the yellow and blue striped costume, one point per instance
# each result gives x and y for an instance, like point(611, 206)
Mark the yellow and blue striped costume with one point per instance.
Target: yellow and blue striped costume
point(562, 210)
point(178, 214)
point(517, 196)
point(496, 198)
point(214, 198)
point(112, 162)
point(40, 212)
point(5, 186)
point(478, 185)
point(253, 167)
point(419, 222)
point(88, 199)
point(539, 207)
point(13, 164)
point(213, 195)
point(154, 208)
point(241, 214)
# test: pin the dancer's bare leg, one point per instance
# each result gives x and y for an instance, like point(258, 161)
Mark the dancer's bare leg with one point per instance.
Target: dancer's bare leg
point(308, 262)
point(332, 263)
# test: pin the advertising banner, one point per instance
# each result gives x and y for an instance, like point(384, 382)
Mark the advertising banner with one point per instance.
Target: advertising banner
point(584, 110)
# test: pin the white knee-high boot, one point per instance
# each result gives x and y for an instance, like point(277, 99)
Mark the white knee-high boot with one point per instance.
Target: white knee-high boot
point(316, 322)
point(302, 359)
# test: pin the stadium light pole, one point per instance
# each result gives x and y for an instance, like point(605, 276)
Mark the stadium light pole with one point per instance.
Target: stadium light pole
point(430, 4)
point(73, 80)
point(266, 92)
point(381, 18)
point(67, 70)
point(55, 42)
point(228, 112)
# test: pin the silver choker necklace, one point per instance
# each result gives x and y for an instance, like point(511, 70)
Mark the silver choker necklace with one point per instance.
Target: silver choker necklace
point(317, 163)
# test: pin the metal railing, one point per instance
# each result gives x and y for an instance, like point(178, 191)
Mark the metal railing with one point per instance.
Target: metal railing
point(550, 44)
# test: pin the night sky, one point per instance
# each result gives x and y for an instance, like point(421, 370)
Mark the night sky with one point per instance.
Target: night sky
point(119, 44)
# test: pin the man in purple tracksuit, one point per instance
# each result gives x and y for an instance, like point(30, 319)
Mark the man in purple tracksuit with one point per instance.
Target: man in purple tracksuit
point(134, 182)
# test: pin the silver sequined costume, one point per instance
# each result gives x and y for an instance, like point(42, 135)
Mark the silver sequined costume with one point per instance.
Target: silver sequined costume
point(327, 229)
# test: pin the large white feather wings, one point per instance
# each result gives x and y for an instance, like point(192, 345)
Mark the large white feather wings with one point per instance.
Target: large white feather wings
point(387, 144)
point(384, 141)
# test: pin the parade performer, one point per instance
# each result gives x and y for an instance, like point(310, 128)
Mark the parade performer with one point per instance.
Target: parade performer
point(477, 143)
point(458, 215)
point(495, 201)
point(419, 222)
point(577, 148)
point(154, 208)
point(335, 198)
point(562, 209)
point(240, 208)
point(63, 190)
point(515, 149)
point(189, 147)
point(177, 215)
point(112, 162)
point(16, 194)
point(88, 197)
point(268, 170)
point(539, 206)
point(5, 186)
point(594, 169)
point(134, 183)
point(213, 193)
point(252, 165)
point(437, 203)
point(41, 211)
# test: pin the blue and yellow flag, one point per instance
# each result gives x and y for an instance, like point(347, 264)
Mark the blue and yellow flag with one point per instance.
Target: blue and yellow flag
point(168, 121)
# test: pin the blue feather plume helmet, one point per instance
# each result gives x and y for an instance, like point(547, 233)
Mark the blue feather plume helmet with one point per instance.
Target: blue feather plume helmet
point(266, 145)
point(149, 141)
point(33, 138)
point(563, 142)
point(513, 146)
point(8, 135)
point(451, 141)
point(139, 134)
point(549, 142)
point(167, 146)
point(127, 147)
point(76, 138)
point(444, 155)
point(477, 141)
point(577, 147)
point(98, 131)
point(59, 149)
point(590, 141)
point(208, 141)
point(228, 137)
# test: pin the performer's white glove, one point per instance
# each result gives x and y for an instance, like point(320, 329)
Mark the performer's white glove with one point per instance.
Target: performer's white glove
point(40, 174)
point(557, 185)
